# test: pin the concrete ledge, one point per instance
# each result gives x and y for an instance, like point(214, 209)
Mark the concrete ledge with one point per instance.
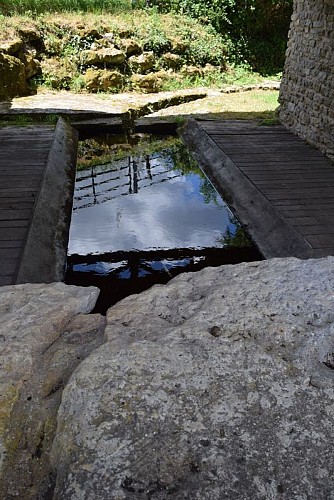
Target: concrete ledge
point(271, 233)
point(44, 256)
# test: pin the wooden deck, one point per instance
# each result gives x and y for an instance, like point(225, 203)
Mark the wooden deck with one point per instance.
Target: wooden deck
point(23, 156)
point(289, 179)
point(280, 188)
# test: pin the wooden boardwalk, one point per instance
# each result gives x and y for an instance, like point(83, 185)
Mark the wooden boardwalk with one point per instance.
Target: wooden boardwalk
point(289, 180)
point(280, 188)
point(23, 157)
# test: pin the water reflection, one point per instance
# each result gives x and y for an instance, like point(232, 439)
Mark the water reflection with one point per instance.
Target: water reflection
point(145, 203)
point(141, 220)
point(120, 274)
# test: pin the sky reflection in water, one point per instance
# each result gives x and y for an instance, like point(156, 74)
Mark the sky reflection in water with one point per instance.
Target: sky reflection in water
point(167, 211)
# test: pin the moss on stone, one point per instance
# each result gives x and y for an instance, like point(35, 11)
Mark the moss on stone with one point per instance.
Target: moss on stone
point(12, 77)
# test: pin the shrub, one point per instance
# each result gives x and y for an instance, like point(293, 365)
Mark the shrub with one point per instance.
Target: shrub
point(257, 28)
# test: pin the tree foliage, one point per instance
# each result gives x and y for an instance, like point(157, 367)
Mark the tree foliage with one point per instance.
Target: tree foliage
point(257, 28)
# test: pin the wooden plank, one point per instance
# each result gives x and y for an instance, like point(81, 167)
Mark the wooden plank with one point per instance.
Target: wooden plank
point(24, 203)
point(22, 182)
point(7, 280)
point(291, 184)
point(294, 177)
point(16, 173)
point(301, 177)
point(315, 230)
point(13, 214)
point(289, 194)
point(286, 164)
point(308, 211)
point(241, 127)
point(31, 191)
point(11, 243)
point(322, 252)
point(312, 221)
point(13, 223)
point(8, 266)
point(23, 156)
point(10, 253)
point(271, 142)
point(321, 241)
point(301, 201)
point(12, 233)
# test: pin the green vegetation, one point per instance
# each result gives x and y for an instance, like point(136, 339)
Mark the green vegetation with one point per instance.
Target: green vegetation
point(252, 105)
point(25, 120)
point(255, 29)
point(92, 152)
point(35, 7)
point(235, 75)
point(200, 53)
point(253, 32)
point(237, 239)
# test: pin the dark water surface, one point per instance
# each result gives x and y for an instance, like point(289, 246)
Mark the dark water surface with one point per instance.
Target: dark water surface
point(143, 219)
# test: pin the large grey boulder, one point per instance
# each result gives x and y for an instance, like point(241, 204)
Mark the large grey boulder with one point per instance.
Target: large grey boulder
point(44, 334)
point(219, 385)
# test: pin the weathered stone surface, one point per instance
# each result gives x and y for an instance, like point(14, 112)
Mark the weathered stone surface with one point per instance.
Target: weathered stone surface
point(117, 105)
point(178, 45)
point(191, 71)
point(57, 72)
point(12, 47)
point(217, 385)
point(89, 33)
point(148, 83)
point(30, 33)
point(173, 61)
point(131, 47)
point(32, 65)
point(143, 63)
point(111, 56)
point(12, 77)
point(307, 89)
point(44, 336)
point(103, 80)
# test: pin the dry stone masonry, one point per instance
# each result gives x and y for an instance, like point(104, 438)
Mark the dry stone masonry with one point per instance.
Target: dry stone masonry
point(307, 89)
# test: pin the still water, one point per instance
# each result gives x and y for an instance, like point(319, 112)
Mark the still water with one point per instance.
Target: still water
point(142, 219)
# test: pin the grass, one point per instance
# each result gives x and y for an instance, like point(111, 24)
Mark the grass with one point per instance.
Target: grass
point(24, 120)
point(66, 34)
point(234, 75)
point(35, 7)
point(256, 104)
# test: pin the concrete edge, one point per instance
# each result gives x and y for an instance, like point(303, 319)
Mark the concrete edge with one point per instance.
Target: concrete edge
point(45, 252)
point(270, 232)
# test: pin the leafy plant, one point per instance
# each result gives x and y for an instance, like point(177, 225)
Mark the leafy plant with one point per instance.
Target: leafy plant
point(257, 29)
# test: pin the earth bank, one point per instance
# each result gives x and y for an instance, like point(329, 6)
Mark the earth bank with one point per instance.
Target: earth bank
point(96, 53)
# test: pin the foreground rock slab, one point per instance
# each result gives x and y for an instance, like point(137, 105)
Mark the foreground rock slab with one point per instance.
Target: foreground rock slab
point(217, 385)
point(44, 334)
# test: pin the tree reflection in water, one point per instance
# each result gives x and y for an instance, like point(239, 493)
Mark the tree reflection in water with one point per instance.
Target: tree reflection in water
point(142, 220)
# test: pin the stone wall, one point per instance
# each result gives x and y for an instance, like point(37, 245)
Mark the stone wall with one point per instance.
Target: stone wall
point(307, 88)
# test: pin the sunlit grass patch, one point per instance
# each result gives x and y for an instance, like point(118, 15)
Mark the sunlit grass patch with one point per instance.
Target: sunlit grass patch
point(258, 104)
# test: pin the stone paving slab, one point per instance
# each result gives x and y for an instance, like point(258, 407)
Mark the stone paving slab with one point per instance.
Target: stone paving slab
point(94, 105)
point(88, 105)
